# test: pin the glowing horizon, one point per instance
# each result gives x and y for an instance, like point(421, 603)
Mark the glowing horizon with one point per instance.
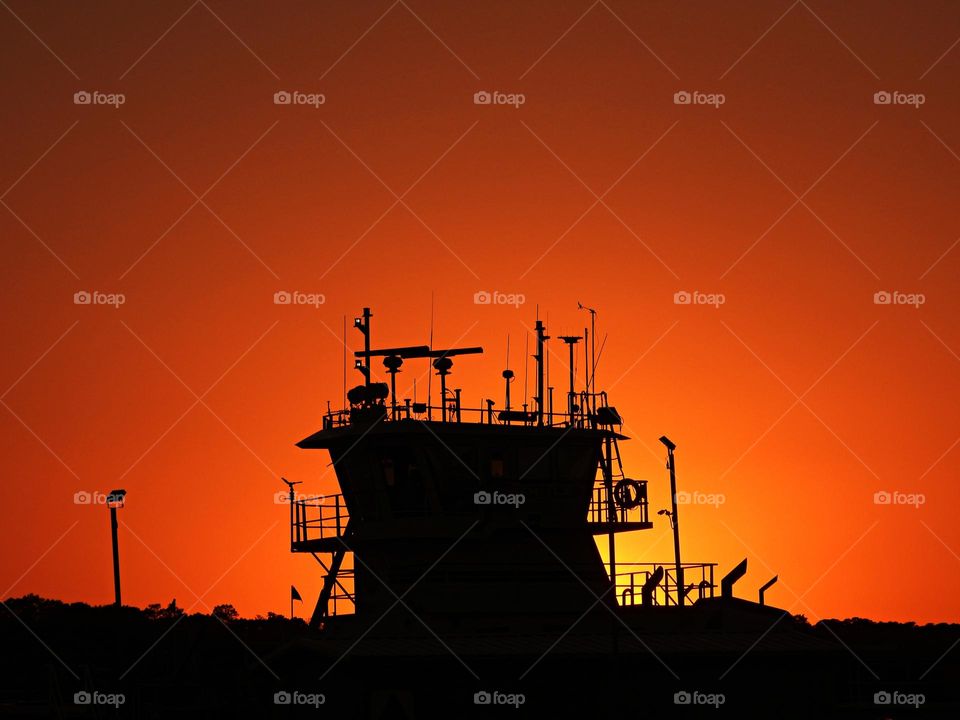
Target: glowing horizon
point(774, 273)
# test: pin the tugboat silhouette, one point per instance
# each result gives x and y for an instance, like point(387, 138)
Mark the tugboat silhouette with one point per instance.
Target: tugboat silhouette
point(461, 568)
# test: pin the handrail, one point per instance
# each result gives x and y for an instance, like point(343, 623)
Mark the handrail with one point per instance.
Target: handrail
point(330, 524)
point(486, 414)
point(628, 586)
point(599, 508)
point(321, 517)
point(698, 578)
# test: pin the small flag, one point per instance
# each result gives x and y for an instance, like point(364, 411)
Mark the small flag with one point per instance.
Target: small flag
point(294, 595)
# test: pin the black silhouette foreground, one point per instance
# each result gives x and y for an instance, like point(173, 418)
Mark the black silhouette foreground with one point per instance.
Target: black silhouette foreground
point(202, 666)
point(462, 578)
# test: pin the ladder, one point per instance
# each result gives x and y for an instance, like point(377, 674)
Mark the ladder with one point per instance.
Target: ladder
point(617, 469)
point(330, 580)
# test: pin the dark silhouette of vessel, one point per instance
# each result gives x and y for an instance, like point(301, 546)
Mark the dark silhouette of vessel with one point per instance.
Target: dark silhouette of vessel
point(460, 559)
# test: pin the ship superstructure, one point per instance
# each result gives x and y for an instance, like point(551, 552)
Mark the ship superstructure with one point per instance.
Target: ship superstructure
point(480, 512)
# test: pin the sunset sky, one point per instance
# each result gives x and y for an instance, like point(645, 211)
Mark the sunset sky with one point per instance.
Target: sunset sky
point(787, 191)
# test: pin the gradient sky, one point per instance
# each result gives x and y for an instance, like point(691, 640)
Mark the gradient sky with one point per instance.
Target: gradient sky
point(797, 199)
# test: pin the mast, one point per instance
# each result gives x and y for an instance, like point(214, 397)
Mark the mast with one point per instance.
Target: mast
point(430, 376)
point(507, 377)
point(593, 357)
point(541, 338)
point(363, 325)
point(590, 367)
point(571, 340)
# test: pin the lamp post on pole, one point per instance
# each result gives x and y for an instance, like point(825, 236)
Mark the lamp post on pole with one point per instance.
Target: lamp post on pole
point(678, 567)
point(115, 501)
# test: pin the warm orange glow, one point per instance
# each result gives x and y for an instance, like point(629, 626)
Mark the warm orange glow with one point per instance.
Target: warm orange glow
point(796, 400)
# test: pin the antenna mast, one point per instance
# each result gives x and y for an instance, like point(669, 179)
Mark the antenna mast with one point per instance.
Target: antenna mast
point(592, 368)
point(541, 338)
point(507, 377)
point(363, 325)
point(586, 364)
point(430, 374)
point(526, 368)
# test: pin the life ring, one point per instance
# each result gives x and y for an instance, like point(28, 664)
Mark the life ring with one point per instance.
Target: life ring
point(629, 493)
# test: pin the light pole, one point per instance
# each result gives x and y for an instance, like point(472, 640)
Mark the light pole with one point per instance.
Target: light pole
point(114, 501)
point(675, 518)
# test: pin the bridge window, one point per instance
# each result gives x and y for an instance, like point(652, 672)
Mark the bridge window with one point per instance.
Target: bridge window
point(403, 481)
point(389, 475)
point(536, 463)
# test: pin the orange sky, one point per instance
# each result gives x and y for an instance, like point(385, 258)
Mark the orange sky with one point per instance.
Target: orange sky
point(797, 199)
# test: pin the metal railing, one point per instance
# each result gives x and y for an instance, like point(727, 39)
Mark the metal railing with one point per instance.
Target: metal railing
point(599, 509)
point(317, 518)
point(629, 586)
point(488, 414)
point(320, 517)
point(698, 579)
